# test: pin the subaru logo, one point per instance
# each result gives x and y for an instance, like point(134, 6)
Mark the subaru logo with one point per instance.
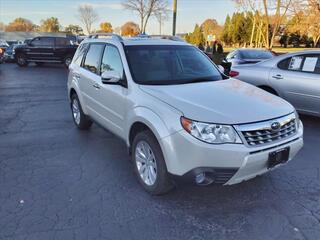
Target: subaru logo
point(275, 126)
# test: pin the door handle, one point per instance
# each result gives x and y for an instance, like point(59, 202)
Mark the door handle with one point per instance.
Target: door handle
point(278, 76)
point(77, 76)
point(96, 86)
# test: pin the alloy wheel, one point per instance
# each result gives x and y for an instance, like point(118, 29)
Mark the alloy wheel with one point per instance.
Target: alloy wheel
point(146, 163)
point(76, 111)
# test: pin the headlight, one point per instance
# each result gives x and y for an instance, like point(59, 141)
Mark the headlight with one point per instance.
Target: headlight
point(211, 133)
point(298, 121)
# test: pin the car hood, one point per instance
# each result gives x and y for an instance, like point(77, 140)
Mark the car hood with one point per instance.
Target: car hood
point(227, 101)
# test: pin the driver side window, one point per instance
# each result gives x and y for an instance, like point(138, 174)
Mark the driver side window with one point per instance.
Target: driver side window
point(111, 60)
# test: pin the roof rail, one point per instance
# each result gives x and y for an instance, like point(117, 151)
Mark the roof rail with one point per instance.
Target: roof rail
point(168, 37)
point(106, 35)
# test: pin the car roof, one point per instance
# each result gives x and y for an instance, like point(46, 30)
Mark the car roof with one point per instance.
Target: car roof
point(136, 41)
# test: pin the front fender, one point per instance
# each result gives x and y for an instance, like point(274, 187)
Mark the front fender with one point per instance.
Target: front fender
point(149, 118)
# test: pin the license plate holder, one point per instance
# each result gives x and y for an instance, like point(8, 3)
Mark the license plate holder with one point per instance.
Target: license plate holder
point(278, 157)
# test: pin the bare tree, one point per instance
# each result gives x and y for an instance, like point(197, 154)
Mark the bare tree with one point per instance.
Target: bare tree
point(161, 17)
point(87, 16)
point(145, 9)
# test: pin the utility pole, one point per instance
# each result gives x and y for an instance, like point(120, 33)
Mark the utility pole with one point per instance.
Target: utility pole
point(174, 17)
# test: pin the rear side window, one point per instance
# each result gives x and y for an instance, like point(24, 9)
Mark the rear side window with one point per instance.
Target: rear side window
point(93, 58)
point(43, 42)
point(62, 42)
point(302, 63)
point(111, 60)
point(80, 53)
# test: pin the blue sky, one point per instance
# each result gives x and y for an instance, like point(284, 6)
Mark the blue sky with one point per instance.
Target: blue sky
point(190, 12)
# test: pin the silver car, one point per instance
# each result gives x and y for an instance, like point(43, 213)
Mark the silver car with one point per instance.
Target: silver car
point(178, 114)
point(294, 77)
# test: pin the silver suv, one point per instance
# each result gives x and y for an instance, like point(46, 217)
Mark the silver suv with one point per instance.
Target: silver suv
point(178, 114)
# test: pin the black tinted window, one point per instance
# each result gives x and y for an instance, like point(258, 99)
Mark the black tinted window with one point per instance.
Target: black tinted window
point(93, 58)
point(111, 60)
point(80, 53)
point(255, 54)
point(43, 42)
point(284, 64)
point(62, 42)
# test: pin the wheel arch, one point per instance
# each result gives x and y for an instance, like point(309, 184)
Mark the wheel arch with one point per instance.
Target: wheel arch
point(142, 118)
point(269, 89)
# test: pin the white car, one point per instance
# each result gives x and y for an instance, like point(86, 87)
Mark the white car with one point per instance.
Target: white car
point(178, 114)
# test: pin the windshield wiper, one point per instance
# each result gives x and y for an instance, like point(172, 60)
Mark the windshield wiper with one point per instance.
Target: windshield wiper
point(195, 80)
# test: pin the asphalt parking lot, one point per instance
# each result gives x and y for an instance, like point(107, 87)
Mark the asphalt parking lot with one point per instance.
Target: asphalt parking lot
point(60, 183)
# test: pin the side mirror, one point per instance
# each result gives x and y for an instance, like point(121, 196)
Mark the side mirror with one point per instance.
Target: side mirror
point(221, 68)
point(109, 77)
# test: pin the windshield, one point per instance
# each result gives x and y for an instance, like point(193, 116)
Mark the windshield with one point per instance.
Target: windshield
point(256, 54)
point(164, 65)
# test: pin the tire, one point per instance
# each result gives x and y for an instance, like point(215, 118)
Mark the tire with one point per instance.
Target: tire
point(67, 61)
point(21, 60)
point(161, 183)
point(39, 64)
point(81, 120)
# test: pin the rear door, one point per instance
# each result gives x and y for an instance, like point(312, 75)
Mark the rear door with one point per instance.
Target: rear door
point(41, 48)
point(297, 79)
point(89, 75)
point(61, 48)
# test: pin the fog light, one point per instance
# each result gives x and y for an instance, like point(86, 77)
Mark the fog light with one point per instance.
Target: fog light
point(204, 179)
point(200, 178)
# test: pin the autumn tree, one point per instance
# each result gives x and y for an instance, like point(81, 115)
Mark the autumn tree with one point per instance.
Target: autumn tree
point(130, 29)
point(2, 26)
point(210, 27)
point(20, 25)
point(50, 25)
point(306, 20)
point(88, 16)
point(146, 9)
point(74, 29)
point(106, 27)
point(196, 37)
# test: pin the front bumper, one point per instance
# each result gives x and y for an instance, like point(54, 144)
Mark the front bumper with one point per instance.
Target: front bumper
point(184, 154)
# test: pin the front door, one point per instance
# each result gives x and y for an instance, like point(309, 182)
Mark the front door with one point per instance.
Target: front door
point(112, 98)
point(41, 48)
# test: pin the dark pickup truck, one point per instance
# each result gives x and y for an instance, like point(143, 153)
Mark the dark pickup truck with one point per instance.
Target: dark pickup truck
point(45, 50)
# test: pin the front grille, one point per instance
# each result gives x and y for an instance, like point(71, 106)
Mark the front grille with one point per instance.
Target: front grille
point(264, 134)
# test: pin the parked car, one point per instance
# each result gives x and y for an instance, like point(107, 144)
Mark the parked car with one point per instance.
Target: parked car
point(294, 77)
point(9, 53)
point(1, 55)
point(177, 113)
point(246, 56)
point(45, 50)
point(12, 42)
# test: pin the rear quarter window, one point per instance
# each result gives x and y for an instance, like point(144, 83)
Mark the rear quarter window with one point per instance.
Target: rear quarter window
point(80, 53)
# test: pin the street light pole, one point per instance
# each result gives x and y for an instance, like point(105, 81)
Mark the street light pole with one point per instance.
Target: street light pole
point(174, 17)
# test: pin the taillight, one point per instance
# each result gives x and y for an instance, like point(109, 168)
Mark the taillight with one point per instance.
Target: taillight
point(233, 73)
